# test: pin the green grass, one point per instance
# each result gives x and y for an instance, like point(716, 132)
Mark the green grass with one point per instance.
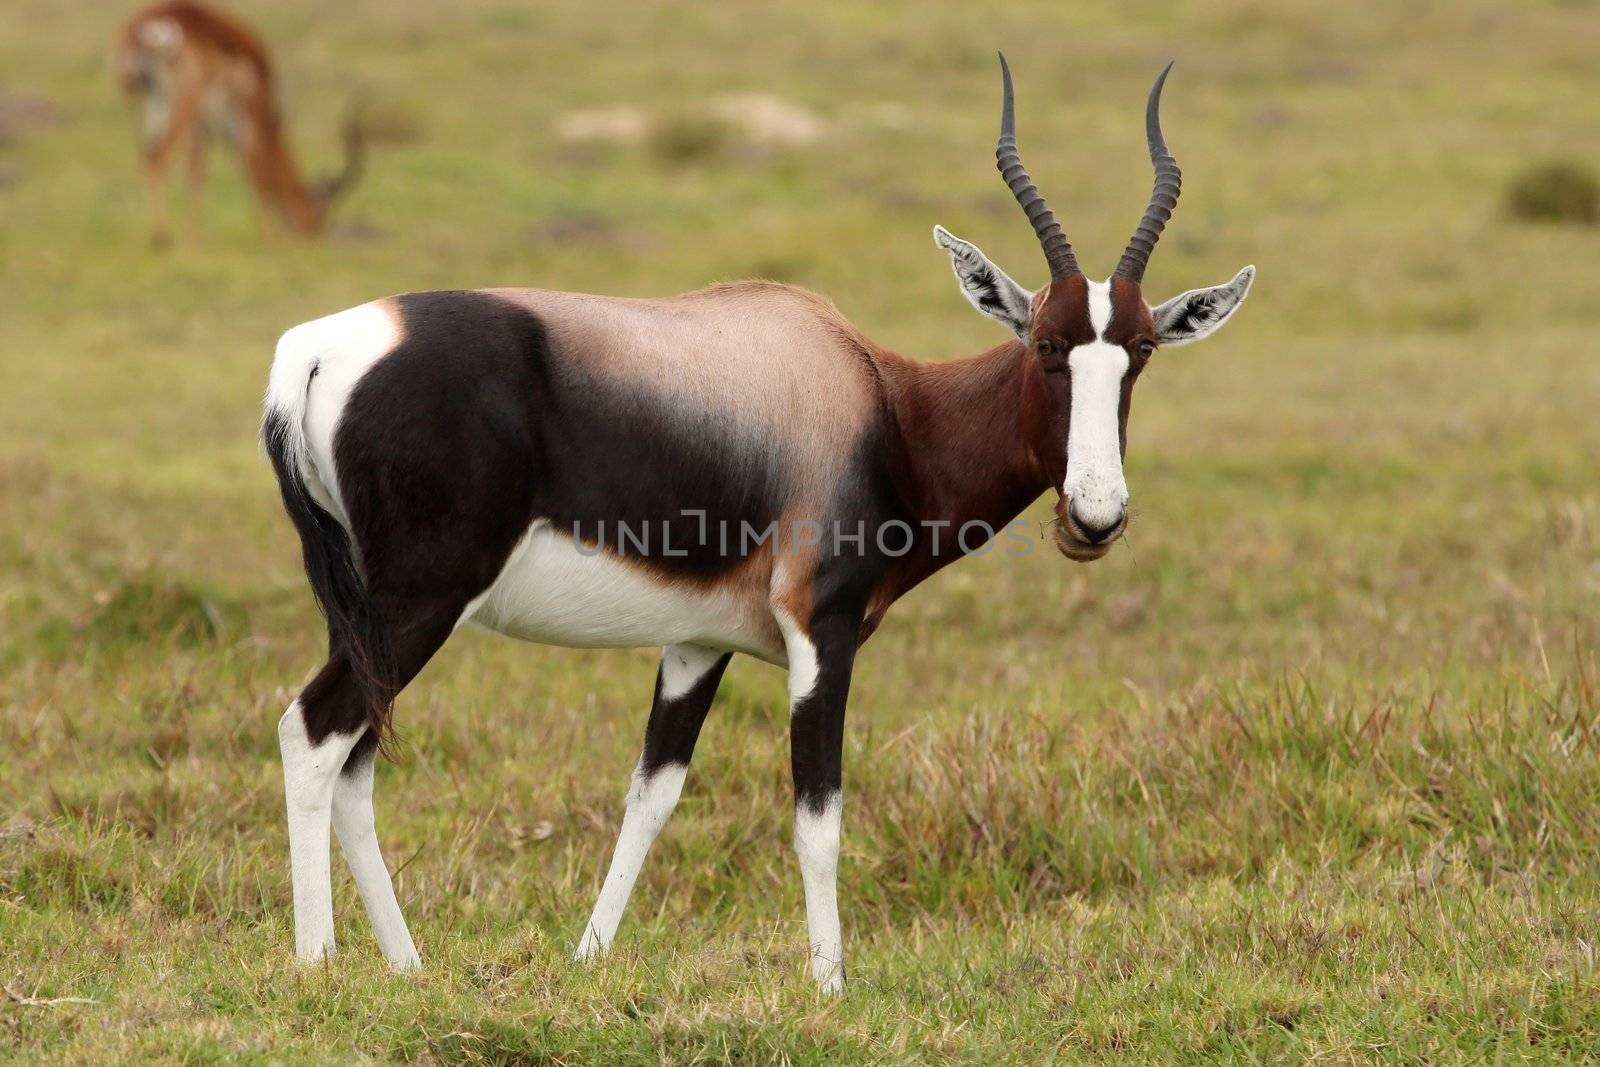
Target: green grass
point(1305, 769)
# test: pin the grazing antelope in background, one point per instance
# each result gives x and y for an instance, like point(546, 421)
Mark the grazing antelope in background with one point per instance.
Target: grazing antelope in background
point(493, 456)
point(192, 72)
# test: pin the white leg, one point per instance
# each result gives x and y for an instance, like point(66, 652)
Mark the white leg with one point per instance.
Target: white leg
point(650, 804)
point(816, 705)
point(816, 842)
point(308, 776)
point(685, 686)
point(353, 822)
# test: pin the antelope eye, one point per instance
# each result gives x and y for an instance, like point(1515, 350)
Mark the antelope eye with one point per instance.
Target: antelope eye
point(1046, 347)
point(1146, 347)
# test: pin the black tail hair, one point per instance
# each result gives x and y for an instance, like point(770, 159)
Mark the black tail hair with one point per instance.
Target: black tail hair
point(356, 629)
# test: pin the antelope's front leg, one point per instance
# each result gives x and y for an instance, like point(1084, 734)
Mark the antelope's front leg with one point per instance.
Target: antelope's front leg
point(820, 660)
point(685, 686)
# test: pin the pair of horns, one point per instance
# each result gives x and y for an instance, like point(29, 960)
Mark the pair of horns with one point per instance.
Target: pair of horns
point(1057, 249)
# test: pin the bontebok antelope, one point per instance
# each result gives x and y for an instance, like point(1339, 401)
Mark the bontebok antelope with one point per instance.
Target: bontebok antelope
point(737, 469)
point(192, 72)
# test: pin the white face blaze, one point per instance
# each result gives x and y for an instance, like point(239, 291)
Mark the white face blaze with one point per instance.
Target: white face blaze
point(1094, 483)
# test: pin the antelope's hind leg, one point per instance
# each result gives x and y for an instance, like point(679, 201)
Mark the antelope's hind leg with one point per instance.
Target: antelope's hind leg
point(197, 180)
point(168, 127)
point(436, 464)
point(312, 758)
point(356, 828)
point(685, 685)
point(328, 758)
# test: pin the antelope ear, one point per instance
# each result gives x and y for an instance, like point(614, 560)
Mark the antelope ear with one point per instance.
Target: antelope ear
point(986, 285)
point(1201, 312)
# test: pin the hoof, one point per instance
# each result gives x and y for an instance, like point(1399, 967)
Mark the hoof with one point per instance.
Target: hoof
point(829, 978)
point(588, 949)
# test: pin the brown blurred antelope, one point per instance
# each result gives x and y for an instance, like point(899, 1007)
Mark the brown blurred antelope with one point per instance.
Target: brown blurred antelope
point(192, 72)
point(737, 469)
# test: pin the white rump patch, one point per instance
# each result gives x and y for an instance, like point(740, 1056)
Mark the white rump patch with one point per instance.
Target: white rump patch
point(162, 35)
point(316, 366)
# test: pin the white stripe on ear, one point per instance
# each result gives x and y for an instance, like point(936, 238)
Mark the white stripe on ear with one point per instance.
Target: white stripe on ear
point(986, 285)
point(1201, 312)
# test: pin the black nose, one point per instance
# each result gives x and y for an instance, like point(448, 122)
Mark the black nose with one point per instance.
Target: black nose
point(1091, 533)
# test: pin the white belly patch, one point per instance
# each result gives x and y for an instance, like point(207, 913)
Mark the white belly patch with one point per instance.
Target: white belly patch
point(552, 592)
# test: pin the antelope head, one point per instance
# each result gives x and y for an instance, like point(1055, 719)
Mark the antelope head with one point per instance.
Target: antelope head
point(1090, 339)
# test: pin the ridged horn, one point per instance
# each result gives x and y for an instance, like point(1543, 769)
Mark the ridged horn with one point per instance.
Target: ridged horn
point(1163, 198)
point(1057, 250)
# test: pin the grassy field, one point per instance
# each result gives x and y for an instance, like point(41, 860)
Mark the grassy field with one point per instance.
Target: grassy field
point(1308, 768)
